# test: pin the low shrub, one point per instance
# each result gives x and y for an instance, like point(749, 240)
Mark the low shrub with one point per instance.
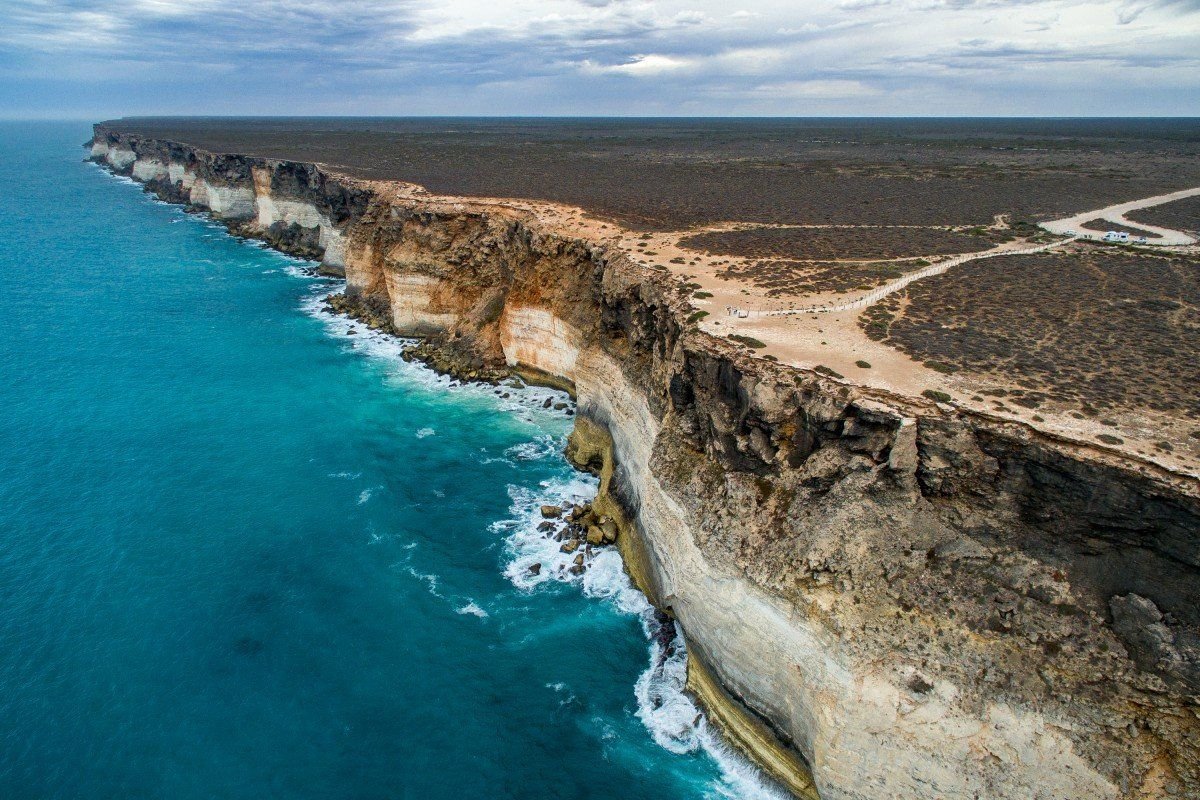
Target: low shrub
point(942, 367)
point(824, 370)
point(749, 341)
point(876, 330)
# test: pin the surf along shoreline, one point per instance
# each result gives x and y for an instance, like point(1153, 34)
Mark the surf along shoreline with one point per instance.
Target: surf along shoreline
point(773, 512)
point(539, 547)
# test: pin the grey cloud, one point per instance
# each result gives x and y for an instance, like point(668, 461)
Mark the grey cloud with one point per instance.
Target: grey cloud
point(856, 5)
point(580, 53)
point(1130, 12)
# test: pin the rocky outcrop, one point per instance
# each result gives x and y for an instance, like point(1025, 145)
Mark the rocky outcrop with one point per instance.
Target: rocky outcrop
point(883, 596)
point(295, 207)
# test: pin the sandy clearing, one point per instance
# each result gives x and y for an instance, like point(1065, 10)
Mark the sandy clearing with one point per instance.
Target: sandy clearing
point(1116, 213)
point(876, 295)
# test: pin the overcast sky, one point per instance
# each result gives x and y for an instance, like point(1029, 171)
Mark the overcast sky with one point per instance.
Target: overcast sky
point(86, 58)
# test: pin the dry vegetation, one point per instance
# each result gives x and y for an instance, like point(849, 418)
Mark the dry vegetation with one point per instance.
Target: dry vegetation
point(798, 278)
point(827, 244)
point(675, 174)
point(1108, 225)
point(1182, 215)
point(1101, 327)
point(800, 261)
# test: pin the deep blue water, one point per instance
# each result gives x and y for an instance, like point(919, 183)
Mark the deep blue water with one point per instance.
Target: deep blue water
point(244, 555)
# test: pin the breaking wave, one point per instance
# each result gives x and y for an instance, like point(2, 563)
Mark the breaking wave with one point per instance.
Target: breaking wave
point(532, 404)
point(663, 706)
point(472, 609)
point(666, 710)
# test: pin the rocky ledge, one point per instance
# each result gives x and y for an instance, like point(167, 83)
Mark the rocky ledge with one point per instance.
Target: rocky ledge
point(882, 596)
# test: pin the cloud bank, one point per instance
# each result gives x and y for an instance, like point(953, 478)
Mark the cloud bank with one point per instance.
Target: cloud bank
point(761, 57)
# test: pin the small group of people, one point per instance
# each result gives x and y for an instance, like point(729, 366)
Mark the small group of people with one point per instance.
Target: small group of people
point(731, 311)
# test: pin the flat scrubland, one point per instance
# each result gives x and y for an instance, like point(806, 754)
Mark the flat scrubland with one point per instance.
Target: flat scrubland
point(840, 243)
point(678, 173)
point(1095, 329)
point(799, 261)
point(796, 279)
point(1181, 215)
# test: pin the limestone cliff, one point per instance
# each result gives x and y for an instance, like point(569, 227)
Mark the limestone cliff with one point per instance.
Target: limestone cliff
point(919, 601)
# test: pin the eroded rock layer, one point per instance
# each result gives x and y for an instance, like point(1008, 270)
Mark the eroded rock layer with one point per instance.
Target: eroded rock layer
point(895, 599)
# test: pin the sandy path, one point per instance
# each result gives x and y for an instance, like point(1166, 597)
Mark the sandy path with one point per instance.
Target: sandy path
point(900, 283)
point(1067, 226)
point(1116, 213)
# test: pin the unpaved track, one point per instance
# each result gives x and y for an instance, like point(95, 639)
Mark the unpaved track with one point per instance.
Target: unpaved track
point(900, 283)
point(1068, 226)
point(1117, 214)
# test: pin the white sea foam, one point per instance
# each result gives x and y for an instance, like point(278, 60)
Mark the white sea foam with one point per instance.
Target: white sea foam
point(526, 545)
point(421, 434)
point(299, 268)
point(430, 581)
point(669, 714)
point(537, 448)
point(526, 403)
point(365, 495)
point(664, 707)
point(472, 609)
point(568, 697)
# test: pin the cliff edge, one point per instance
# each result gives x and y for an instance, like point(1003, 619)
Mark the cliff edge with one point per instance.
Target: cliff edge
point(883, 597)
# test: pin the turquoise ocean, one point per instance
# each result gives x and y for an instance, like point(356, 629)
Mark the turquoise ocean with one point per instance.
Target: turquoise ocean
point(246, 555)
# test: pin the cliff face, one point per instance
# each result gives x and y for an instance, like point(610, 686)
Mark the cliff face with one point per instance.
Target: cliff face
point(907, 599)
point(295, 207)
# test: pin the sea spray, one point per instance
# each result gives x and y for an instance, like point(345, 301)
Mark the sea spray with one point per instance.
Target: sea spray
point(257, 621)
point(526, 403)
point(535, 557)
point(664, 707)
point(472, 609)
